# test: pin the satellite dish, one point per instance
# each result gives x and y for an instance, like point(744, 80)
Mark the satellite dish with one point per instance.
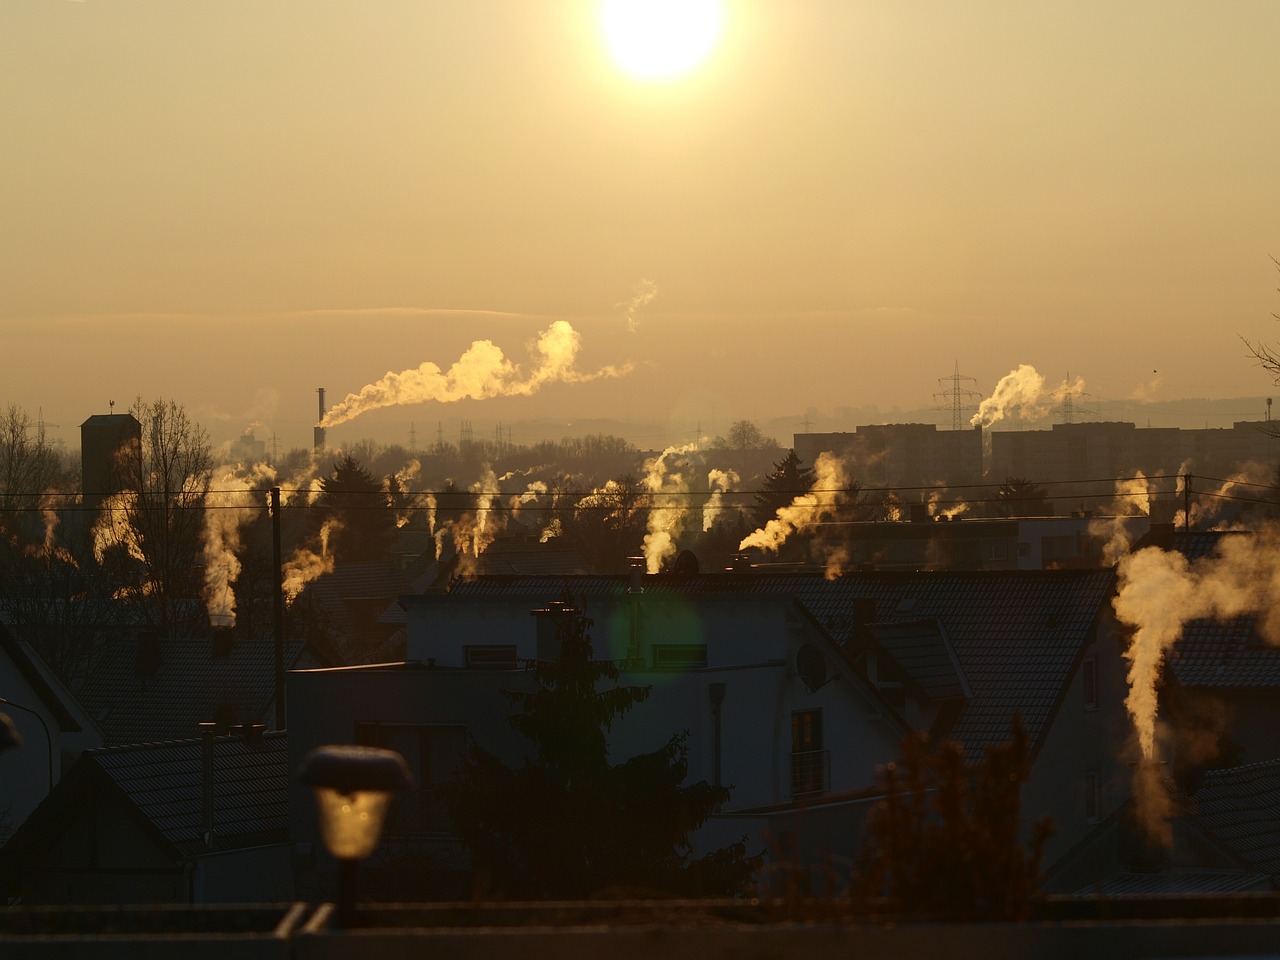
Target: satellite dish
point(811, 665)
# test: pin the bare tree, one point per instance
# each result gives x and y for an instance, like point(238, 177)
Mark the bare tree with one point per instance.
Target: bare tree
point(1268, 357)
point(159, 518)
point(48, 577)
point(30, 467)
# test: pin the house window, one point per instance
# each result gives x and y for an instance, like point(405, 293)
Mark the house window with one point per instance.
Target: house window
point(1089, 681)
point(999, 550)
point(434, 754)
point(1092, 796)
point(679, 656)
point(810, 763)
point(491, 656)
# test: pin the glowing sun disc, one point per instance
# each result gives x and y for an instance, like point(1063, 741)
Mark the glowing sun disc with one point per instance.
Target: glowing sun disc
point(653, 39)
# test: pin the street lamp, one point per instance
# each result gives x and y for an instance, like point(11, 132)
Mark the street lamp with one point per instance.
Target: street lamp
point(353, 787)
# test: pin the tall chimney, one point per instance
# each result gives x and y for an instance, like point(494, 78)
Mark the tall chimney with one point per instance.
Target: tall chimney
point(319, 430)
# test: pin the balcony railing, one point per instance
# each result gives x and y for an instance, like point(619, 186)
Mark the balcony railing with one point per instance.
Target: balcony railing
point(810, 772)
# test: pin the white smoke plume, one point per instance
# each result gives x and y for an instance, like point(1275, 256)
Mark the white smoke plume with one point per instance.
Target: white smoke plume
point(720, 482)
point(1211, 497)
point(114, 528)
point(1161, 591)
point(475, 536)
point(483, 371)
point(403, 478)
point(668, 504)
point(1023, 387)
point(1133, 498)
point(954, 508)
point(532, 494)
point(235, 497)
point(305, 564)
point(644, 293)
point(806, 510)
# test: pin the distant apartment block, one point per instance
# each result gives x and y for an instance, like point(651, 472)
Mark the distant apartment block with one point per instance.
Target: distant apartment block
point(902, 454)
point(1090, 451)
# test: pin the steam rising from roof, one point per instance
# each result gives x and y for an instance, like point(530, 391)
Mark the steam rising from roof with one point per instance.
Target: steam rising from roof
point(668, 505)
point(483, 371)
point(1161, 591)
point(807, 509)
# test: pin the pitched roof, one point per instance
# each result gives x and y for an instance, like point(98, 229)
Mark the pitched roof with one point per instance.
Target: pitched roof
point(164, 782)
point(190, 686)
point(47, 688)
point(1168, 882)
point(1017, 634)
point(1240, 806)
point(924, 652)
point(161, 786)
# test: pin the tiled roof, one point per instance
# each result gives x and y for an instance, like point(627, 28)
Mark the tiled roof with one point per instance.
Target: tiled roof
point(1016, 634)
point(1176, 882)
point(1221, 653)
point(191, 685)
point(359, 601)
point(164, 781)
point(922, 650)
point(1240, 806)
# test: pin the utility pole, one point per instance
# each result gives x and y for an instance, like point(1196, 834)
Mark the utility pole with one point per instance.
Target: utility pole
point(281, 719)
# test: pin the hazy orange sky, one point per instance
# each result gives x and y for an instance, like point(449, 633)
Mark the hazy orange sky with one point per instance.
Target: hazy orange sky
point(232, 202)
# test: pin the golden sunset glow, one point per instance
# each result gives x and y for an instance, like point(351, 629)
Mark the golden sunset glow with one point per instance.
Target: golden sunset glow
point(658, 39)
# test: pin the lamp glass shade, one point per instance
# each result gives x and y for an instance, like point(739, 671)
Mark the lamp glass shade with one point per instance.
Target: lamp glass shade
point(351, 823)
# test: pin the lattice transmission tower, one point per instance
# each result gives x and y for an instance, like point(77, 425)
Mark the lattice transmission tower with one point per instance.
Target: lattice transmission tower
point(961, 400)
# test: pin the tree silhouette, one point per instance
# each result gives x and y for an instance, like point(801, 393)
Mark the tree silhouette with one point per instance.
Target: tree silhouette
point(790, 478)
point(1019, 497)
point(946, 840)
point(363, 507)
point(569, 824)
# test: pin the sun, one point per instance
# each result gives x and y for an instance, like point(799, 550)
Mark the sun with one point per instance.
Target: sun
point(660, 39)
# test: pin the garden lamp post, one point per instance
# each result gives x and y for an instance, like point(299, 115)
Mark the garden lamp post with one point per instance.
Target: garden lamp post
point(353, 787)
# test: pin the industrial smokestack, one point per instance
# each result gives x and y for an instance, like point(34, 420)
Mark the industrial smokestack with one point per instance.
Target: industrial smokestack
point(319, 430)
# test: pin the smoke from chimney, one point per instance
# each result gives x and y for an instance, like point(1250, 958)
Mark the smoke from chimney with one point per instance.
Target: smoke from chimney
point(1160, 591)
point(668, 506)
point(235, 497)
point(1023, 387)
point(483, 371)
point(807, 509)
point(644, 294)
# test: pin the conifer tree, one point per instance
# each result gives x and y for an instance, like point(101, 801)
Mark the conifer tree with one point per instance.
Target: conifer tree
point(790, 478)
point(568, 823)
